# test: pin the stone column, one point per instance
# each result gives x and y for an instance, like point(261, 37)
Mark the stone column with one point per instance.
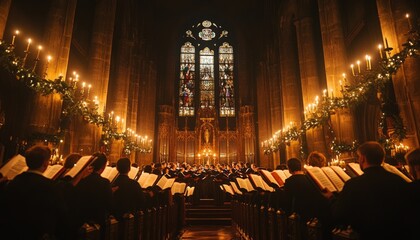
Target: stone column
point(165, 141)
point(394, 27)
point(45, 116)
point(335, 60)
point(247, 132)
point(309, 77)
point(99, 70)
point(290, 83)
point(4, 14)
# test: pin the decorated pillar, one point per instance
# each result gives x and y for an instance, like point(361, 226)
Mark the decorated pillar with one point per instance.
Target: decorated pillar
point(247, 132)
point(395, 25)
point(165, 140)
point(309, 76)
point(335, 61)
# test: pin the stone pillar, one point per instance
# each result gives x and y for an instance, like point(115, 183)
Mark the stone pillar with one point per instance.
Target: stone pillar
point(45, 116)
point(165, 141)
point(4, 14)
point(335, 61)
point(99, 70)
point(309, 76)
point(394, 27)
point(247, 132)
point(119, 86)
point(290, 83)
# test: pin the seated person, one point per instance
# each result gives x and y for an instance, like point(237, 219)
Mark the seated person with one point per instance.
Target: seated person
point(128, 196)
point(317, 159)
point(413, 160)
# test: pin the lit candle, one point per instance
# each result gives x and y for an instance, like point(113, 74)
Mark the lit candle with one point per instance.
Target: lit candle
point(14, 36)
point(49, 58)
point(29, 43)
point(352, 69)
point(89, 87)
point(380, 50)
point(341, 85)
point(369, 62)
point(324, 93)
point(408, 19)
point(39, 51)
point(358, 66)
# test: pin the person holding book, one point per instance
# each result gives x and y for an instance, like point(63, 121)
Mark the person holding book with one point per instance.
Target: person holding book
point(128, 196)
point(304, 198)
point(94, 195)
point(317, 159)
point(374, 203)
point(33, 208)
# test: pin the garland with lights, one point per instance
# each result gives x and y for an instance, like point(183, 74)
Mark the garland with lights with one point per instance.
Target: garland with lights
point(75, 103)
point(376, 81)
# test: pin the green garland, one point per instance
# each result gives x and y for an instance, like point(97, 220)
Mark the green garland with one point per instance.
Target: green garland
point(74, 102)
point(371, 81)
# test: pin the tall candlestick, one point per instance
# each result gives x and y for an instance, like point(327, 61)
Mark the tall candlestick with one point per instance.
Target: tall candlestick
point(380, 50)
point(39, 51)
point(14, 36)
point(358, 66)
point(29, 43)
point(409, 21)
point(352, 69)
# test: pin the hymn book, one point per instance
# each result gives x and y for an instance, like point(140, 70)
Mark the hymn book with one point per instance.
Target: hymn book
point(165, 182)
point(110, 173)
point(178, 187)
point(53, 171)
point(268, 175)
point(280, 176)
point(228, 189)
point(79, 166)
point(340, 172)
point(235, 188)
point(355, 167)
point(334, 178)
point(321, 179)
point(244, 183)
point(395, 170)
point(260, 183)
point(133, 172)
point(189, 191)
point(14, 167)
point(147, 179)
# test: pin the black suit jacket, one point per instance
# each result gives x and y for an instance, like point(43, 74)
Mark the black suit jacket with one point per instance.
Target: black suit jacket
point(94, 198)
point(128, 198)
point(374, 204)
point(33, 207)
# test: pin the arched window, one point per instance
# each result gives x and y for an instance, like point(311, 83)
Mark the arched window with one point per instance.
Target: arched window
point(213, 71)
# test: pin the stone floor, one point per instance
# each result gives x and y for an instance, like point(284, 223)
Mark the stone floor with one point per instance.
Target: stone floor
point(209, 232)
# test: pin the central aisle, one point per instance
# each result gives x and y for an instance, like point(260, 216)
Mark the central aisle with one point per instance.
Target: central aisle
point(210, 232)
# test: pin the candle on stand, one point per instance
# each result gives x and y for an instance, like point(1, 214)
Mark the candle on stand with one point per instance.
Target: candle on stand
point(14, 37)
point(39, 51)
point(409, 21)
point(46, 65)
point(29, 44)
point(380, 50)
point(352, 69)
point(358, 66)
point(89, 87)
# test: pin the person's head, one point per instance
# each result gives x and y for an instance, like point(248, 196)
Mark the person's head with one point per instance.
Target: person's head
point(413, 160)
point(147, 169)
point(317, 159)
point(99, 162)
point(294, 165)
point(37, 157)
point(123, 165)
point(71, 160)
point(370, 154)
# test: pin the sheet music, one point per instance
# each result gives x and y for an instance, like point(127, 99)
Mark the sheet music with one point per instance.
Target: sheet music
point(356, 168)
point(165, 182)
point(133, 172)
point(340, 172)
point(235, 188)
point(269, 176)
point(52, 171)
point(321, 179)
point(80, 164)
point(14, 167)
point(178, 187)
point(109, 173)
point(395, 170)
point(281, 174)
point(228, 189)
point(335, 179)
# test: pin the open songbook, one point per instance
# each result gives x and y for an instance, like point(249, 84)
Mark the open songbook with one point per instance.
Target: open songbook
point(133, 173)
point(227, 188)
point(178, 187)
point(54, 171)
point(235, 188)
point(189, 191)
point(355, 168)
point(79, 166)
point(260, 183)
point(14, 167)
point(245, 184)
point(276, 177)
point(110, 173)
point(326, 177)
point(165, 182)
point(147, 179)
point(395, 170)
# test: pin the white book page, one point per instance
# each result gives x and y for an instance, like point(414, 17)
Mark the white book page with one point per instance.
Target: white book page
point(109, 173)
point(52, 170)
point(356, 168)
point(321, 179)
point(235, 188)
point(151, 179)
point(78, 166)
point(178, 187)
point(395, 170)
point(228, 189)
point(14, 167)
point(142, 179)
point(281, 175)
point(269, 176)
point(335, 179)
point(133, 172)
point(340, 172)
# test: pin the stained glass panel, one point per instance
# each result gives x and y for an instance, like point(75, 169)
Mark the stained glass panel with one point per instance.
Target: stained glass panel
point(187, 78)
point(206, 78)
point(226, 86)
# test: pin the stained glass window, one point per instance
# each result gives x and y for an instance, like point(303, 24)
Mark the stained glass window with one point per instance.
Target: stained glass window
point(187, 78)
point(226, 85)
point(207, 78)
